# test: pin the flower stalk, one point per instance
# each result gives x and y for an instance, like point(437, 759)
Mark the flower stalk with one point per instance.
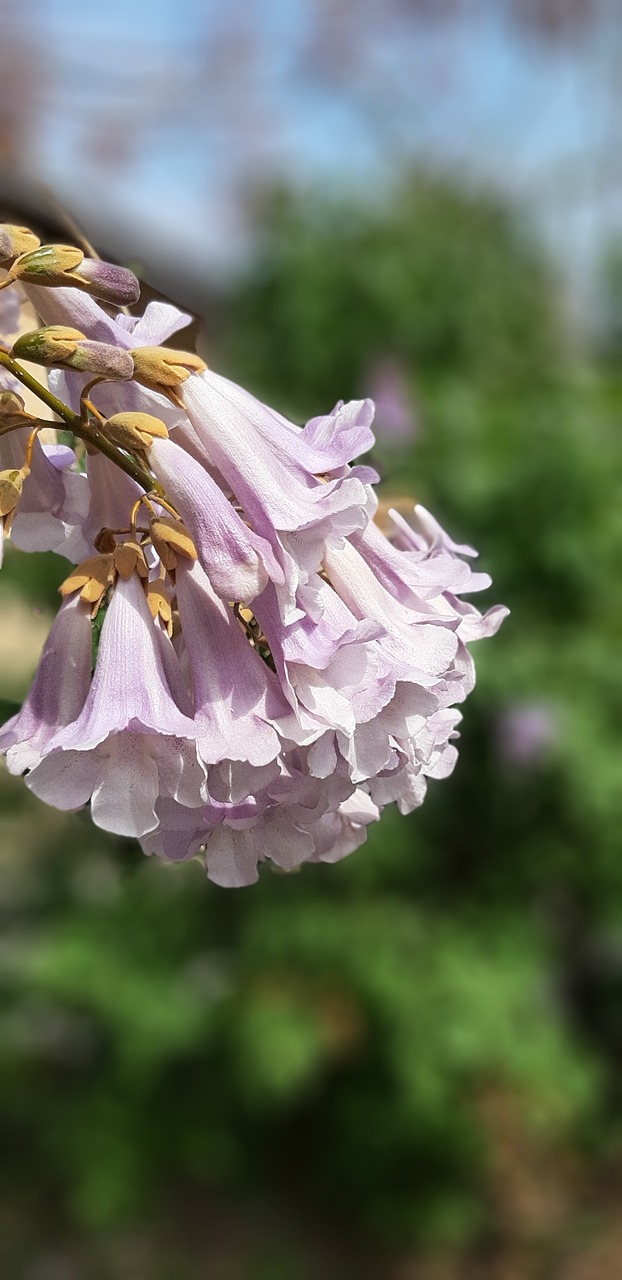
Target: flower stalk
point(85, 430)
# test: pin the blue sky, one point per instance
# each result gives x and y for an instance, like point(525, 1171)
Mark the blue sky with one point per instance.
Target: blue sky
point(218, 96)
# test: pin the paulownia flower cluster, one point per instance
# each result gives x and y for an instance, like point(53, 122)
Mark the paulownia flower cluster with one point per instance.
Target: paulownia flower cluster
point(243, 666)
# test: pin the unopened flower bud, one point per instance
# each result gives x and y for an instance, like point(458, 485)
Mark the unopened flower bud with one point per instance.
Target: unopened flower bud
point(105, 541)
point(129, 558)
point(171, 539)
point(94, 576)
point(13, 411)
point(15, 241)
point(107, 281)
point(165, 368)
point(59, 345)
point(159, 604)
point(11, 403)
point(11, 485)
point(91, 578)
point(134, 430)
point(66, 265)
point(47, 265)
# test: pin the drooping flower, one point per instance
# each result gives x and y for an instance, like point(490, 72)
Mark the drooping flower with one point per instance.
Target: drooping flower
point(131, 741)
point(272, 670)
point(294, 485)
point(58, 692)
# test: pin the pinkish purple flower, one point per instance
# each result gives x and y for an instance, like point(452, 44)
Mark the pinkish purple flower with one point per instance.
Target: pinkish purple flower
point(272, 670)
point(131, 741)
point(58, 692)
point(54, 499)
point(237, 560)
point(293, 484)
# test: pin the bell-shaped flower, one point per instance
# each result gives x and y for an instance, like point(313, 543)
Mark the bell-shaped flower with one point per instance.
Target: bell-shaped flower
point(54, 500)
point(339, 833)
point(328, 667)
point(280, 474)
point(417, 638)
point(425, 547)
point(237, 561)
point(428, 753)
point(242, 721)
point(131, 742)
point(110, 497)
point(235, 703)
point(58, 692)
point(287, 834)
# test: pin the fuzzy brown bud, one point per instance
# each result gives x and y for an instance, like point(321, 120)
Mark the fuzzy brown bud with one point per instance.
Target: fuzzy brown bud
point(11, 485)
point(133, 431)
point(91, 578)
point(15, 241)
point(94, 576)
point(164, 368)
point(13, 412)
point(160, 604)
point(171, 539)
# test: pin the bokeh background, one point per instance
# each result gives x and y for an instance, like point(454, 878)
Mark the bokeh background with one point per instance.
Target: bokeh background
point(408, 1066)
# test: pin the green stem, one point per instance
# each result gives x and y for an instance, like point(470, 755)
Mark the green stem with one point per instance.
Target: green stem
point(85, 430)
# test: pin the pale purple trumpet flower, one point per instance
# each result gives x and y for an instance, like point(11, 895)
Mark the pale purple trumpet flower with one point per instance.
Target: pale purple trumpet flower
point(293, 484)
point(345, 674)
point(131, 741)
point(289, 835)
point(238, 705)
point(54, 500)
point(289, 823)
point(427, 547)
point(110, 497)
point(386, 693)
point(237, 561)
point(58, 692)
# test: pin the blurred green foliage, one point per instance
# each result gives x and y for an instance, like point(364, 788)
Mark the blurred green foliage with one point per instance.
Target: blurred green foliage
point(329, 1037)
point(442, 278)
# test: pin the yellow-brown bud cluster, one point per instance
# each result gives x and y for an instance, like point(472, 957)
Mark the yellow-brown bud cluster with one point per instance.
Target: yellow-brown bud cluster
point(93, 577)
point(63, 265)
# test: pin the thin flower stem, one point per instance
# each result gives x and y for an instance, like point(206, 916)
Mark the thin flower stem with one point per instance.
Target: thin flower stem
point(91, 434)
point(52, 401)
point(30, 446)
